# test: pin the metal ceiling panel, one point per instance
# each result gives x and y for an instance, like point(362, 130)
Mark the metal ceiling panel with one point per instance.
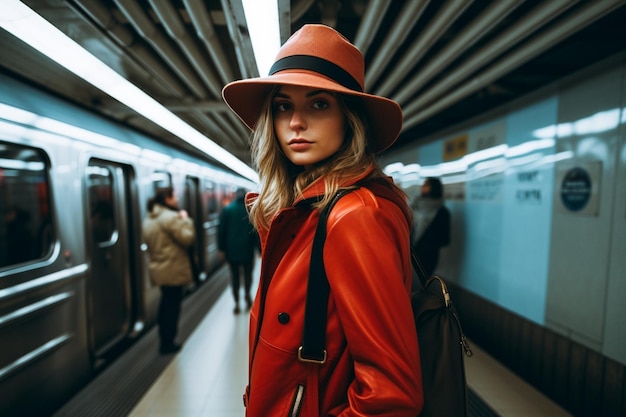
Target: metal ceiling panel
point(443, 61)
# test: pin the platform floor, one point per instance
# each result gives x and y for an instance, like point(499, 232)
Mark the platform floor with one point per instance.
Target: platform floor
point(207, 377)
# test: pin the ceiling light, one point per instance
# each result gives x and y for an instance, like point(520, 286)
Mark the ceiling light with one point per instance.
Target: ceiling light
point(26, 25)
point(263, 26)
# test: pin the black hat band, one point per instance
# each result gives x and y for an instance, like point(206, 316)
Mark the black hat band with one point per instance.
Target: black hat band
point(319, 65)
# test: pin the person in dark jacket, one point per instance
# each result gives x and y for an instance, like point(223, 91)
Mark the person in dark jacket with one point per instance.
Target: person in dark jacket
point(431, 229)
point(236, 240)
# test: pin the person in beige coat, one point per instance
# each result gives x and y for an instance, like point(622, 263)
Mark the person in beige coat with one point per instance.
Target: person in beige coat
point(168, 233)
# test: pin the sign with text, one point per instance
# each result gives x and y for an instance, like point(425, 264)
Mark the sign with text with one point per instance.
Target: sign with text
point(578, 188)
point(487, 137)
point(529, 186)
point(486, 190)
point(455, 148)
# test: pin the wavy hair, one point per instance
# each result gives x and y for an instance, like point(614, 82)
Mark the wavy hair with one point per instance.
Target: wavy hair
point(282, 182)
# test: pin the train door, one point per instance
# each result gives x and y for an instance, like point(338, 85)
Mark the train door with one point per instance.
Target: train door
point(212, 198)
point(193, 205)
point(109, 286)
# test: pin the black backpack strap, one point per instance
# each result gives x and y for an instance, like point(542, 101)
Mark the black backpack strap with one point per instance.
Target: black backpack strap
point(313, 347)
point(418, 268)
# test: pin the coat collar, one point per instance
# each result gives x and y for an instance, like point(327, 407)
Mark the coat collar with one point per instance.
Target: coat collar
point(317, 188)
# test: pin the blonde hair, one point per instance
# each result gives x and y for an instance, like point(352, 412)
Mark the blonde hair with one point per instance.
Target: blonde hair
point(281, 182)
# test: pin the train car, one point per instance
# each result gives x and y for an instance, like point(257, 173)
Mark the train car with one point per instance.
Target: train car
point(74, 286)
point(537, 195)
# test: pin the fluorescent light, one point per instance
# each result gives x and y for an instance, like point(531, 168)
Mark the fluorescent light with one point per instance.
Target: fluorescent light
point(530, 146)
point(19, 20)
point(596, 123)
point(263, 26)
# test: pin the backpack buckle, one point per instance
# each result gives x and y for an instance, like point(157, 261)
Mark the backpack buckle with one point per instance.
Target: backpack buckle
point(318, 361)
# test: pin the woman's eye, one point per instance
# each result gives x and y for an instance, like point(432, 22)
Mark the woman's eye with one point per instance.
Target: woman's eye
point(320, 104)
point(281, 106)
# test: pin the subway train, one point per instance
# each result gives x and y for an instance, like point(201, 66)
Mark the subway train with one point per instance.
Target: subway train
point(74, 287)
point(536, 262)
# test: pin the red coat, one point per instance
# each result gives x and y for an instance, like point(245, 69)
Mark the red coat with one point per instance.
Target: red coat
point(373, 366)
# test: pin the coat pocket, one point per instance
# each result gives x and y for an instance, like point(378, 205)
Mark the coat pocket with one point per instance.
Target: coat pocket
point(296, 403)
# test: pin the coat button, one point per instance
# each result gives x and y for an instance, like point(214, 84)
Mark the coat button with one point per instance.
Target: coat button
point(283, 318)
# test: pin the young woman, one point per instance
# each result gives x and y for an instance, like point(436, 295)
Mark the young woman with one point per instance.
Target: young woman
point(431, 224)
point(315, 132)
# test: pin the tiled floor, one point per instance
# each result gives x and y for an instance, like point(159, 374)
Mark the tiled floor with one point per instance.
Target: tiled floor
point(207, 378)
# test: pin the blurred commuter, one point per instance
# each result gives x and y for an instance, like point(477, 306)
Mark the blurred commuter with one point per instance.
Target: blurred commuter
point(169, 233)
point(236, 240)
point(431, 224)
point(316, 132)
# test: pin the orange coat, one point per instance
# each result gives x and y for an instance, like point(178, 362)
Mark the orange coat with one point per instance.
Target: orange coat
point(373, 366)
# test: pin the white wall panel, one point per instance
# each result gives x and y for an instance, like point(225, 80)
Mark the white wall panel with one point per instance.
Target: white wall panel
point(550, 250)
point(614, 344)
point(581, 235)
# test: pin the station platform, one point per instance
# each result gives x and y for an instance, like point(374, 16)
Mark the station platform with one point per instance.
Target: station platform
point(207, 377)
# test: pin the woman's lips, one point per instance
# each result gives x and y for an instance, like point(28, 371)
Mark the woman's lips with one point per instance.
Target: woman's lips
point(299, 144)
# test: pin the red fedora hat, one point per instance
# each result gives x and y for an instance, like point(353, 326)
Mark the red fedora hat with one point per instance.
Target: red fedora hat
point(318, 56)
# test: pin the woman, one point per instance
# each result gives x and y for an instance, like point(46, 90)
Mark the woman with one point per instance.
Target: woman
point(431, 230)
point(315, 132)
point(168, 233)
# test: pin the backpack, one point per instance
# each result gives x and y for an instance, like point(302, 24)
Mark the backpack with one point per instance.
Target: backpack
point(441, 340)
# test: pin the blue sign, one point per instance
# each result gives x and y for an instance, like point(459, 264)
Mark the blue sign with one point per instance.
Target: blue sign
point(576, 189)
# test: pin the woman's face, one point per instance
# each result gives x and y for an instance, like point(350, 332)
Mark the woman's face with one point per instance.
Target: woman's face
point(172, 200)
point(309, 124)
point(425, 188)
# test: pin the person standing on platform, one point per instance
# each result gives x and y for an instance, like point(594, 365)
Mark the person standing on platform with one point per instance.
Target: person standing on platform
point(315, 131)
point(431, 229)
point(168, 233)
point(236, 241)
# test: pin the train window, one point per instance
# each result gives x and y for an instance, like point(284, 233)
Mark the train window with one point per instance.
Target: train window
point(161, 179)
point(229, 195)
point(100, 191)
point(212, 199)
point(224, 196)
point(26, 231)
